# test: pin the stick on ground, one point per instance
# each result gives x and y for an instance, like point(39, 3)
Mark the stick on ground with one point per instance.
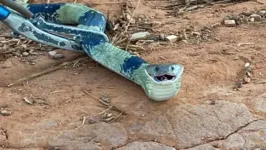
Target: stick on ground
point(105, 104)
point(44, 72)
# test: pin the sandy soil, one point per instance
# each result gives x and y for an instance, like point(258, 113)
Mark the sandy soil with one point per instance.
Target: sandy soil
point(211, 69)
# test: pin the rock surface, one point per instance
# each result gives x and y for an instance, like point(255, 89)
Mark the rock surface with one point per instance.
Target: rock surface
point(198, 124)
point(88, 137)
point(250, 137)
point(145, 146)
point(260, 103)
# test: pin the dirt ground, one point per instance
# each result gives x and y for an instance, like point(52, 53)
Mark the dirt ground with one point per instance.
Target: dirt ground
point(211, 69)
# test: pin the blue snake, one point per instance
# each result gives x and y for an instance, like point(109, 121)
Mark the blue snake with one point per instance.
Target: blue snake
point(87, 26)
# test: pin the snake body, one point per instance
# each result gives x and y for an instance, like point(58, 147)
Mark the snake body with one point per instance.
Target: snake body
point(159, 81)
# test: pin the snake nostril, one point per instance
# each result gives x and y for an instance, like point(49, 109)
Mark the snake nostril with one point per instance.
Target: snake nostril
point(156, 68)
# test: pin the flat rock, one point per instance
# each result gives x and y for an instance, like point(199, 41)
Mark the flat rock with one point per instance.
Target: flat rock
point(145, 146)
point(230, 23)
point(139, 36)
point(198, 124)
point(250, 137)
point(97, 136)
point(171, 38)
point(159, 129)
point(94, 137)
point(260, 103)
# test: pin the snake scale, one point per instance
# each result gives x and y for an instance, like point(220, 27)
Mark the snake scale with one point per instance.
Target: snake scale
point(160, 81)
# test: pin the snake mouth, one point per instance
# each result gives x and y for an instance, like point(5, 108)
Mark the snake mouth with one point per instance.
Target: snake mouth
point(165, 77)
point(164, 73)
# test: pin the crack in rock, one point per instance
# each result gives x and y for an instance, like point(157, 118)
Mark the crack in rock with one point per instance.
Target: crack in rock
point(223, 138)
point(212, 122)
point(251, 136)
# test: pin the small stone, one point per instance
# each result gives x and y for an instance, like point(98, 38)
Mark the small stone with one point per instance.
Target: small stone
point(52, 53)
point(230, 23)
point(55, 55)
point(262, 13)
point(25, 54)
point(172, 38)
point(256, 17)
point(139, 36)
point(247, 80)
point(252, 19)
point(109, 115)
point(4, 112)
point(162, 37)
point(249, 74)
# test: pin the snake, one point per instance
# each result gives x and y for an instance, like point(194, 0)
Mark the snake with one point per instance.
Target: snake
point(160, 82)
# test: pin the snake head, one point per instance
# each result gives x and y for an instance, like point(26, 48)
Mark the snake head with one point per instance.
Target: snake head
point(163, 81)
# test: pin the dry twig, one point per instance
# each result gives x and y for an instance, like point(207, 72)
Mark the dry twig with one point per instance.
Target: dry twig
point(83, 122)
point(44, 72)
point(105, 103)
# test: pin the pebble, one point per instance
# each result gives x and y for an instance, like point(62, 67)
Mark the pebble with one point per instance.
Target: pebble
point(172, 38)
point(55, 55)
point(252, 19)
point(262, 13)
point(256, 17)
point(162, 37)
point(247, 80)
point(139, 35)
point(25, 54)
point(4, 112)
point(230, 23)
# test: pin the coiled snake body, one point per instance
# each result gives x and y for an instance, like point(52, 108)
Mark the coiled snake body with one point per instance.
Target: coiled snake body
point(159, 81)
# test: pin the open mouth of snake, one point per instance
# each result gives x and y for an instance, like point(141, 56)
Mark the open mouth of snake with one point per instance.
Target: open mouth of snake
point(165, 77)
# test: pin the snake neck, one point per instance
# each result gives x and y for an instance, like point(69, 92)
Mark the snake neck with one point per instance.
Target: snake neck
point(120, 61)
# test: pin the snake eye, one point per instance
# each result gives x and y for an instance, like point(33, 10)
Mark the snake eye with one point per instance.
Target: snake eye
point(172, 68)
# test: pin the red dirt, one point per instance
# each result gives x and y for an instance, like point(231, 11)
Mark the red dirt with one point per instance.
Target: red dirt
point(210, 72)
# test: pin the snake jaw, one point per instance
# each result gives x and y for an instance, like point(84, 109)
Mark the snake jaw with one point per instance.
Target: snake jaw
point(163, 81)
